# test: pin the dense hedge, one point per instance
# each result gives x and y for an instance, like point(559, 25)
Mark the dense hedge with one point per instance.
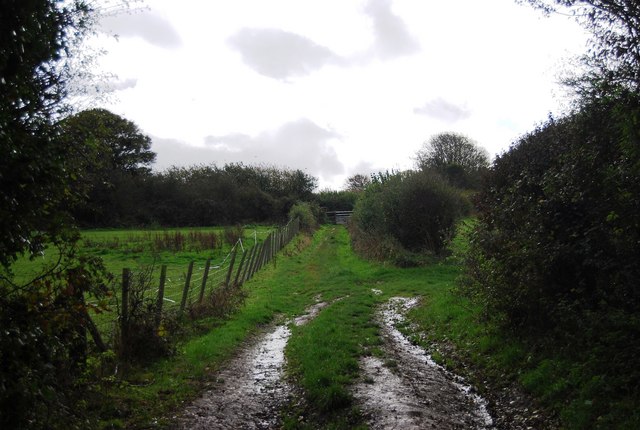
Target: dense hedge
point(196, 196)
point(409, 211)
point(559, 228)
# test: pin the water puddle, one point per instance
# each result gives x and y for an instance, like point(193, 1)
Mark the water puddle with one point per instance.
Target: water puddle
point(250, 391)
point(406, 389)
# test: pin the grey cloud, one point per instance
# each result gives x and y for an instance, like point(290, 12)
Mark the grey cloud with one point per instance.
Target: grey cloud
point(391, 37)
point(280, 54)
point(443, 110)
point(146, 25)
point(299, 144)
point(173, 152)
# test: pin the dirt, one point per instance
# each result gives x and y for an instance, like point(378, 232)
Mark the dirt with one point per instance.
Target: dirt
point(510, 407)
point(401, 388)
point(250, 391)
point(406, 389)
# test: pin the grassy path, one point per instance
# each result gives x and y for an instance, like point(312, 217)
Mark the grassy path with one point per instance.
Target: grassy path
point(322, 355)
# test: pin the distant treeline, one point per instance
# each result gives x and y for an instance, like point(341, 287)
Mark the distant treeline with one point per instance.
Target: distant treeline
point(194, 196)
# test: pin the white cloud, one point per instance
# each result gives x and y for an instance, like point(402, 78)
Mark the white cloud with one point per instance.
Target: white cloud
point(391, 36)
point(299, 144)
point(372, 79)
point(443, 110)
point(152, 28)
point(280, 54)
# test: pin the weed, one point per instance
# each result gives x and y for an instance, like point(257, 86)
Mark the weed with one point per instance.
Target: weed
point(232, 234)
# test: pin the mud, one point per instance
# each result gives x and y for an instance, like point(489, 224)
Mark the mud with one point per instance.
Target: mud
point(250, 391)
point(406, 389)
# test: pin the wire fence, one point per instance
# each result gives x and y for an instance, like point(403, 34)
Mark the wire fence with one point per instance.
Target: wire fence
point(178, 289)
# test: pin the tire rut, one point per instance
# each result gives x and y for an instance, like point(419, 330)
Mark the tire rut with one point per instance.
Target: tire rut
point(250, 390)
point(407, 390)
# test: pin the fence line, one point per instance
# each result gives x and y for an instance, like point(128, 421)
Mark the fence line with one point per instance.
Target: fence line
point(238, 267)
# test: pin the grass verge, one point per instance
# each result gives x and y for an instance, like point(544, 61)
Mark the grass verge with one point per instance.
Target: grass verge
point(323, 354)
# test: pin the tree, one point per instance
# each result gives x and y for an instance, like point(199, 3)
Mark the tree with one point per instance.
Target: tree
point(406, 212)
point(113, 155)
point(44, 322)
point(110, 141)
point(357, 183)
point(35, 37)
point(560, 218)
point(614, 57)
point(455, 156)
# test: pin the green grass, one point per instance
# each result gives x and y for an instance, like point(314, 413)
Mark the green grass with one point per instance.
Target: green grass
point(132, 249)
point(323, 354)
point(135, 250)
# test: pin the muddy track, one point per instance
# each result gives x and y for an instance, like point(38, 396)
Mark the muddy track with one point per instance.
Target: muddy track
point(401, 388)
point(406, 389)
point(250, 391)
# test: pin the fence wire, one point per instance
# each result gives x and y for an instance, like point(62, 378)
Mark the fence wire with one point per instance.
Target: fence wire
point(244, 261)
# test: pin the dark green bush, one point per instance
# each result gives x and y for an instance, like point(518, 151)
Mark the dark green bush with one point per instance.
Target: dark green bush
point(336, 200)
point(145, 339)
point(554, 258)
point(410, 211)
point(560, 218)
point(308, 214)
point(44, 345)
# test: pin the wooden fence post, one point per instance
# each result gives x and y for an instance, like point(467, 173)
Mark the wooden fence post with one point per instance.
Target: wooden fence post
point(247, 267)
point(256, 257)
point(244, 256)
point(185, 292)
point(263, 253)
point(233, 260)
point(204, 280)
point(160, 301)
point(124, 312)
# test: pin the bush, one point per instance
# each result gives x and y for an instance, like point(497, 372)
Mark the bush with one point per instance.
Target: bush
point(145, 339)
point(559, 227)
point(233, 234)
point(412, 211)
point(336, 200)
point(308, 214)
point(43, 345)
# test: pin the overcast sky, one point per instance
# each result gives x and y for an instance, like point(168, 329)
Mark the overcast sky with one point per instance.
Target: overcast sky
point(332, 87)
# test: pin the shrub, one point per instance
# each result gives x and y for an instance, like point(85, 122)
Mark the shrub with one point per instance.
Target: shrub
point(412, 211)
point(559, 227)
point(43, 344)
point(233, 234)
point(308, 215)
point(336, 200)
point(145, 339)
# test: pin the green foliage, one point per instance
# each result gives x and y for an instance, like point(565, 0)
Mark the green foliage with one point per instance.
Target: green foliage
point(336, 200)
point(108, 142)
point(614, 56)
point(560, 218)
point(308, 215)
point(146, 339)
point(112, 158)
point(357, 183)
point(554, 256)
point(43, 344)
point(34, 40)
point(412, 211)
point(211, 195)
point(456, 158)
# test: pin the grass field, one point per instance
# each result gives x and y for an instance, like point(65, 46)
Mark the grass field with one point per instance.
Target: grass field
point(322, 355)
point(145, 251)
